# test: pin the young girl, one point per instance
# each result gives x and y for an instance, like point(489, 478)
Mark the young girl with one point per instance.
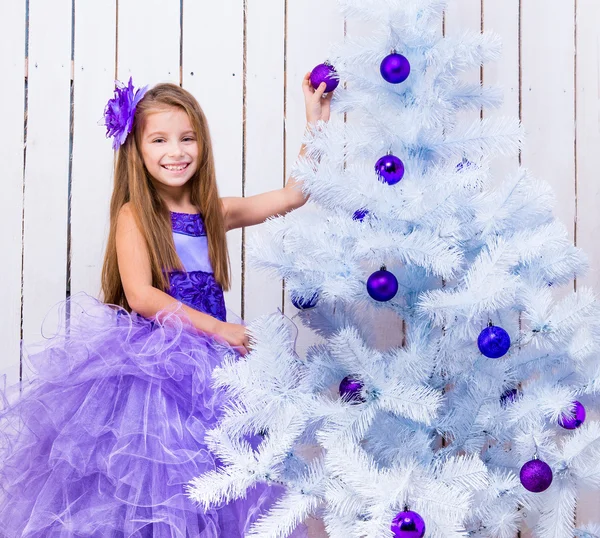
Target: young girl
point(105, 437)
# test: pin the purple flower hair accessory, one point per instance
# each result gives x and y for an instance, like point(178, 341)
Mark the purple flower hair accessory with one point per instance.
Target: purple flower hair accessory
point(120, 111)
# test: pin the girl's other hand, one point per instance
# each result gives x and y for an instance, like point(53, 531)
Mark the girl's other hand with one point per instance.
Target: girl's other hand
point(235, 335)
point(318, 106)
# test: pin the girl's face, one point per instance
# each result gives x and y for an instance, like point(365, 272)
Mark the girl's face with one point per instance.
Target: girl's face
point(169, 148)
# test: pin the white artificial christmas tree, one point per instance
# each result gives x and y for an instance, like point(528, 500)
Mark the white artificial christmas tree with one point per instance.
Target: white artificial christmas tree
point(477, 420)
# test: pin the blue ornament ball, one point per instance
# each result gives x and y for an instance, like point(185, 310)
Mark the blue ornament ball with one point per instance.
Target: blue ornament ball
point(465, 163)
point(509, 397)
point(395, 68)
point(302, 303)
point(360, 215)
point(390, 169)
point(382, 285)
point(493, 342)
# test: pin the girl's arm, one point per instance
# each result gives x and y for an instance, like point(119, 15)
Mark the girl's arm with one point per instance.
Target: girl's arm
point(240, 212)
point(145, 299)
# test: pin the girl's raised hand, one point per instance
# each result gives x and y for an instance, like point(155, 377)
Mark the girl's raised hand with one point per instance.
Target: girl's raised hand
point(318, 105)
point(235, 335)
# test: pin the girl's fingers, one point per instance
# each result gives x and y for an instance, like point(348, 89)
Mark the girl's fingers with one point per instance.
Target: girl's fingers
point(306, 87)
point(320, 90)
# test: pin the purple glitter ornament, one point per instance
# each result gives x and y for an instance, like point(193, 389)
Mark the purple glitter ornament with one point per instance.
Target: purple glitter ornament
point(350, 389)
point(390, 169)
point(302, 303)
point(382, 285)
point(572, 419)
point(395, 68)
point(324, 73)
point(360, 214)
point(120, 112)
point(493, 342)
point(408, 524)
point(508, 397)
point(536, 476)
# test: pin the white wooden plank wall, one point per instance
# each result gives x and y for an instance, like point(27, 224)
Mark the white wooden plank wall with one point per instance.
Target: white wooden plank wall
point(264, 135)
point(244, 60)
point(92, 157)
point(47, 164)
point(213, 70)
point(12, 138)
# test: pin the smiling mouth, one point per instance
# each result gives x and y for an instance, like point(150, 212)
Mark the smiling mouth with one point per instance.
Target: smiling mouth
point(175, 167)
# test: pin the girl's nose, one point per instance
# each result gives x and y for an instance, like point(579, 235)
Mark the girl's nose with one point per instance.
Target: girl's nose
point(176, 149)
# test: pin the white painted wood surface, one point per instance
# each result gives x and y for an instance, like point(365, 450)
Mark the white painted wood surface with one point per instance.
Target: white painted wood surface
point(264, 133)
point(93, 158)
point(46, 165)
point(246, 70)
point(12, 67)
point(213, 70)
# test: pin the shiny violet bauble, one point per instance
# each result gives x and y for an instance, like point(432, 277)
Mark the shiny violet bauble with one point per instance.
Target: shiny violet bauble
point(390, 169)
point(350, 389)
point(395, 68)
point(360, 214)
point(382, 285)
point(536, 476)
point(408, 524)
point(572, 419)
point(324, 73)
point(493, 342)
point(302, 303)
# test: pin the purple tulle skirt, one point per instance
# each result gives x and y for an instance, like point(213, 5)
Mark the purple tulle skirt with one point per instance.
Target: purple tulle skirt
point(109, 429)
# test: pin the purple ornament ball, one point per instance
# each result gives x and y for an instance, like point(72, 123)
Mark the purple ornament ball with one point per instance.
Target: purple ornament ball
point(493, 342)
point(395, 68)
point(324, 73)
point(390, 169)
point(572, 419)
point(382, 285)
point(350, 389)
point(536, 476)
point(408, 524)
point(302, 303)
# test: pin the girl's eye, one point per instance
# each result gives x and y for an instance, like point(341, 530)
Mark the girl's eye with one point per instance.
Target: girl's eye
point(188, 139)
point(159, 140)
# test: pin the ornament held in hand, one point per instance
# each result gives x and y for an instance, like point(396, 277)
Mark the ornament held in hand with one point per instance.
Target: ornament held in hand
point(350, 389)
point(324, 72)
point(493, 342)
point(536, 476)
point(408, 524)
point(572, 419)
point(395, 68)
point(390, 169)
point(382, 285)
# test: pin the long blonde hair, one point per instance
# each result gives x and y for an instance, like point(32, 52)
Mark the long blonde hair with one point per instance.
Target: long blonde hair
point(133, 184)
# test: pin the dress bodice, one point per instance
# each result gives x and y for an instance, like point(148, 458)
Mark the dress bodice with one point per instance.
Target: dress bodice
point(196, 286)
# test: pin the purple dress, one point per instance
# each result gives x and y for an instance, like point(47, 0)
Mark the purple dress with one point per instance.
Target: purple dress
point(111, 427)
